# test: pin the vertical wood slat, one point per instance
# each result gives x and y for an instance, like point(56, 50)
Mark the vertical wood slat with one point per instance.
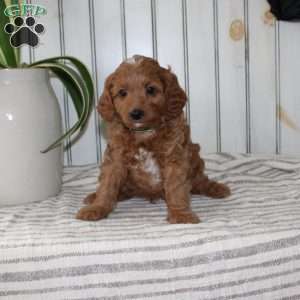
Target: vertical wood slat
point(232, 78)
point(277, 84)
point(170, 47)
point(31, 50)
point(217, 75)
point(289, 84)
point(27, 52)
point(201, 43)
point(76, 19)
point(123, 29)
point(154, 28)
point(95, 78)
point(247, 83)
point(262, 87)
point(68, 150)
point(138, 27)
point(109, 44)
point(186, 56)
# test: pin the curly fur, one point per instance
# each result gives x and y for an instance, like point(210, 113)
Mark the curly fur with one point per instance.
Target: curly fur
point(161, 162)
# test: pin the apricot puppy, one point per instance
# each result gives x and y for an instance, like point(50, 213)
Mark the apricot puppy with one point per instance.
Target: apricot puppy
point(149, 153)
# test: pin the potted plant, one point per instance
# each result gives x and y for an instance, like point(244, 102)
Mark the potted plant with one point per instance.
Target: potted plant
point(31, 135)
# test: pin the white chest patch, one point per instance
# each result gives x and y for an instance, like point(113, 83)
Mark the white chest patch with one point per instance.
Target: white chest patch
point(149, 164)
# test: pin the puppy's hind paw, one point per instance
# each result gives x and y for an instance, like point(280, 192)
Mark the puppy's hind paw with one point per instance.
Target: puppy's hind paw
point(218, 190)
point(91, 213)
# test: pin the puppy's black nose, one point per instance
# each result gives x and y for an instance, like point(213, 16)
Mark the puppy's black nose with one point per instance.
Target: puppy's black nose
point(136, 114)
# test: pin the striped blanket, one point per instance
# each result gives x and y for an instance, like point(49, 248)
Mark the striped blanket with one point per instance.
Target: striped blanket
point(247, 246)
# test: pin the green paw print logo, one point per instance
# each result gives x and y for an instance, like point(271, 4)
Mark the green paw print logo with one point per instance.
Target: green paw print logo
point(24, 31)
point(23, 28)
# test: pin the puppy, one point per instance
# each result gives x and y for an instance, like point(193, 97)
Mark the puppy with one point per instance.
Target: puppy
point(149, 153)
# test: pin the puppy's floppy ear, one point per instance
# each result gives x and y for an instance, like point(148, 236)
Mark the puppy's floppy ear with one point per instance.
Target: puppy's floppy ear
point(175, 95)
point(105, 105)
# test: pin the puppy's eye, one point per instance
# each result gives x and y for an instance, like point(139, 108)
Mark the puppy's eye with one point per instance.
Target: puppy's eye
point(122, 93)
point(150, 90)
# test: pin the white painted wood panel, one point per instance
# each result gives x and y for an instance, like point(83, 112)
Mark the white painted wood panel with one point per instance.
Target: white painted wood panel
point(50, 40)
point(108, 44)
point(231, 83)
point(202, 75)
point(289, 84)
point(138, 27)
point(262, 79)
point(76, 23)
point(232, 78)
point(25, 54)
point(170, 36)
point(170, 40)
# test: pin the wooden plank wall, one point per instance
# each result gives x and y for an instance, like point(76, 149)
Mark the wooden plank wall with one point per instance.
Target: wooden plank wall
point(237, 66)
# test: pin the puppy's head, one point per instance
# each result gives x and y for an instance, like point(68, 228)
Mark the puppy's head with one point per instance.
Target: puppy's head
point(141, 94)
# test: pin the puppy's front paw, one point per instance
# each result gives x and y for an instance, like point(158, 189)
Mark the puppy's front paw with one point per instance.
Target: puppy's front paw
point(218, 190)
point(89, 199)
point(91, 213)
point(183, 217)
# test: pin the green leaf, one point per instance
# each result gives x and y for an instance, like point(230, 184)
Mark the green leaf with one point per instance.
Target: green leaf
point(77, 89)
point(2, 59)
point(79, 78)
point(1, 63)
point(80, 67)
point(66, 75)
point(9, 55)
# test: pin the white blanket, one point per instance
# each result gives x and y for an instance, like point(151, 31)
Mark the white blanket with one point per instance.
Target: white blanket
point(247, 246)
